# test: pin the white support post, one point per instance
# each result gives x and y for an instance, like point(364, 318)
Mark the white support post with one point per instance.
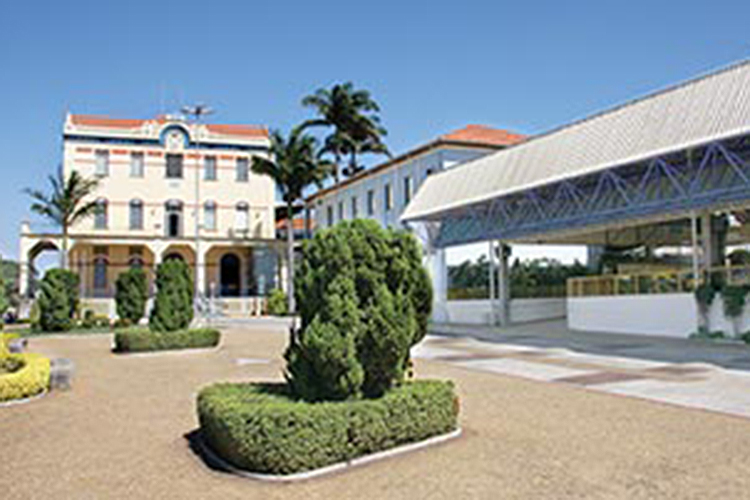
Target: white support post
point(694, 235)
point(493, 274)
point(503, 288)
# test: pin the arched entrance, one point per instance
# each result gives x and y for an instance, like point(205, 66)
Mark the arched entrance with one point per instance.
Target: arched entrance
point(230, 275)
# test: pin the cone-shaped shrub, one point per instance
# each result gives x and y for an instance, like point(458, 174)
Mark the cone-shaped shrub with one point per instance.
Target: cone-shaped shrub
point(58, 300)
point(364, 284)
point(173, 305)
point(131, 294)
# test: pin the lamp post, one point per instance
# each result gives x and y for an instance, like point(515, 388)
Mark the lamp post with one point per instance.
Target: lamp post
point(197, 112)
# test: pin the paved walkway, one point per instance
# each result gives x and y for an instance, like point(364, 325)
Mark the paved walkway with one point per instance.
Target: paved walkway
point(125, 431)
point(697, 374)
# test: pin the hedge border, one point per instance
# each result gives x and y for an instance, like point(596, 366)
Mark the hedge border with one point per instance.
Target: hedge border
point(328, 469)
point(262, 429)
point(123, 338)
point(30, 380)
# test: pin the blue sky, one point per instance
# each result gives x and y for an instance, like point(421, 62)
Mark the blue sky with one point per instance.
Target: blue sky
point(526, 66)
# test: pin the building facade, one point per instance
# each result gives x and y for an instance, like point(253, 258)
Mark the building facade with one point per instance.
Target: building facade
point(383, 192)
point(167, 189)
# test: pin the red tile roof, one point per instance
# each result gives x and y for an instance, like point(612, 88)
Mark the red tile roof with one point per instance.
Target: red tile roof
point(104, 121)
point(298, 223)
point(242, 130)
point(222, 129)
point(482, 134)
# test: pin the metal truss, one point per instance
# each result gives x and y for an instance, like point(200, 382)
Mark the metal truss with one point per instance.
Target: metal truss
point(714, 174)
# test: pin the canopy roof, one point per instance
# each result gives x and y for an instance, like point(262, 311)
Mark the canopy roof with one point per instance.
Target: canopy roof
point(706, 109)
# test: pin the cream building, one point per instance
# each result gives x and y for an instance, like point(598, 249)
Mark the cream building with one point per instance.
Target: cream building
point(158, 178)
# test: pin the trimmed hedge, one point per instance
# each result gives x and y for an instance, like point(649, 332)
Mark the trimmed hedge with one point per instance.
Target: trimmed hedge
point(29, 380)
point(261, 428)
point(141, 339)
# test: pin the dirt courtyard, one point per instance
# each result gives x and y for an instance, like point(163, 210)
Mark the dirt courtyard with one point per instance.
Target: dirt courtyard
point(123, 432)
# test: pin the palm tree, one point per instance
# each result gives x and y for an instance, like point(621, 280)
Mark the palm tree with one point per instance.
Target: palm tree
point(65, 205)
point(294, 165)
point(356, 126)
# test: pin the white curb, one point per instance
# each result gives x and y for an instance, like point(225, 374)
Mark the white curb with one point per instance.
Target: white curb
point(328, 469)
point(167, 352)
point(15, 402)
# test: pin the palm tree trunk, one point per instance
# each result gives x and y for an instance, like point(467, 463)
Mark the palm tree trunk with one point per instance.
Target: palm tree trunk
point(336, 167)
point(290, 257)
point(64, 250)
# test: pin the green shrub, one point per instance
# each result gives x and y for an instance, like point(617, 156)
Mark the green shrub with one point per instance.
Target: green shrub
point(131, 294)
point(277, 303)
point(704, 333)
point(261, 428)
point(4, 302)
point(369, 283)
point(26, 380)
point(142, 339)
point(173, 306)
point(58, 300)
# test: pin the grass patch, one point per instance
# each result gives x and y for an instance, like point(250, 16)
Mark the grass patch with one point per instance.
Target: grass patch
point(261, 428)
point(144, 340)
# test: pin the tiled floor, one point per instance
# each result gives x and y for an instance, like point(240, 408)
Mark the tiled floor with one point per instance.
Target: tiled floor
point(692, 384)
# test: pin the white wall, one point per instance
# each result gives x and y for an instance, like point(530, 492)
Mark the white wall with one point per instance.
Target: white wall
point(521, 310)
point(671, 315)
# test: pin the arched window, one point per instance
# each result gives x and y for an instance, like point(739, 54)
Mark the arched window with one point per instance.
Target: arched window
point(209, 216)
point(136, 214)
point(242, 217)
point(173, 223)
point(100, 214)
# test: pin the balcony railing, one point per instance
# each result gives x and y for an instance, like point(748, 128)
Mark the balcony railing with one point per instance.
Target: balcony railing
point(674, 281)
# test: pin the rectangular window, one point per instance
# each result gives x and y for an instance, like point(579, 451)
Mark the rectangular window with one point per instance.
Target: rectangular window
point(341, 210)
point(354, 207)
point(136, 165)
point(407, 189)
point(136, 215)
point(371, 202)
point(102, 163)
point(242, 217)
point(100, 215)
point(387, 197)
point(329, 215)
point(209, 168)
point(243, 170)
point(174, 166)
point(209, 216)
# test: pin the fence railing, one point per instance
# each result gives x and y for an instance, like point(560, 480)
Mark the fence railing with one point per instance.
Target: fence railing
point(675, 281)
point(516, 292)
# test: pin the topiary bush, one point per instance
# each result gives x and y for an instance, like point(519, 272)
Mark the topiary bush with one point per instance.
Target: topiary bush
point(277, 303)
point(173, 305)
point(142, 339)
point(368, 286)
point(262, 428)
point(58, 300)
point(131, 294)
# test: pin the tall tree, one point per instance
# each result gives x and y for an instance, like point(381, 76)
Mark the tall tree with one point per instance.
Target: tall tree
point(294, 165)
point(65, 205)
point(352, 114)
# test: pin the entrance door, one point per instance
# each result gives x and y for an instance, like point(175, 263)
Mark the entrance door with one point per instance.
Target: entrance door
point(230, 275)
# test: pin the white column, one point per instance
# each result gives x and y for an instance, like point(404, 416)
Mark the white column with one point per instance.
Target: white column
point(200, 274)
point(706, 240)
point(493, 275)
point(439, 273)
point(503, 288)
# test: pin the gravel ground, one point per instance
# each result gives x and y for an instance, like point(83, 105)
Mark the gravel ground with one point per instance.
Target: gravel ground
point(124, 431)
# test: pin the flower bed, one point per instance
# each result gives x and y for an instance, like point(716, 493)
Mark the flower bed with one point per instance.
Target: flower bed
point(144, 340)
point(25, 375)
point(261, 428)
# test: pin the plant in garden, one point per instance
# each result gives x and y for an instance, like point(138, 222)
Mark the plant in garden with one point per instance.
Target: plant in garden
point(58, 300)
point(734, 302)
point(277, 303)
point(294, 165)
point(66, 204)
point(3, 301)
point(704, 296)
point(173, 305)
point(131, 294)
point(364, 285)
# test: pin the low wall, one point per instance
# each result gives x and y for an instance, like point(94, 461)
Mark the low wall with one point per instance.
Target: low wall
point(479, 312)
point(671, 315)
